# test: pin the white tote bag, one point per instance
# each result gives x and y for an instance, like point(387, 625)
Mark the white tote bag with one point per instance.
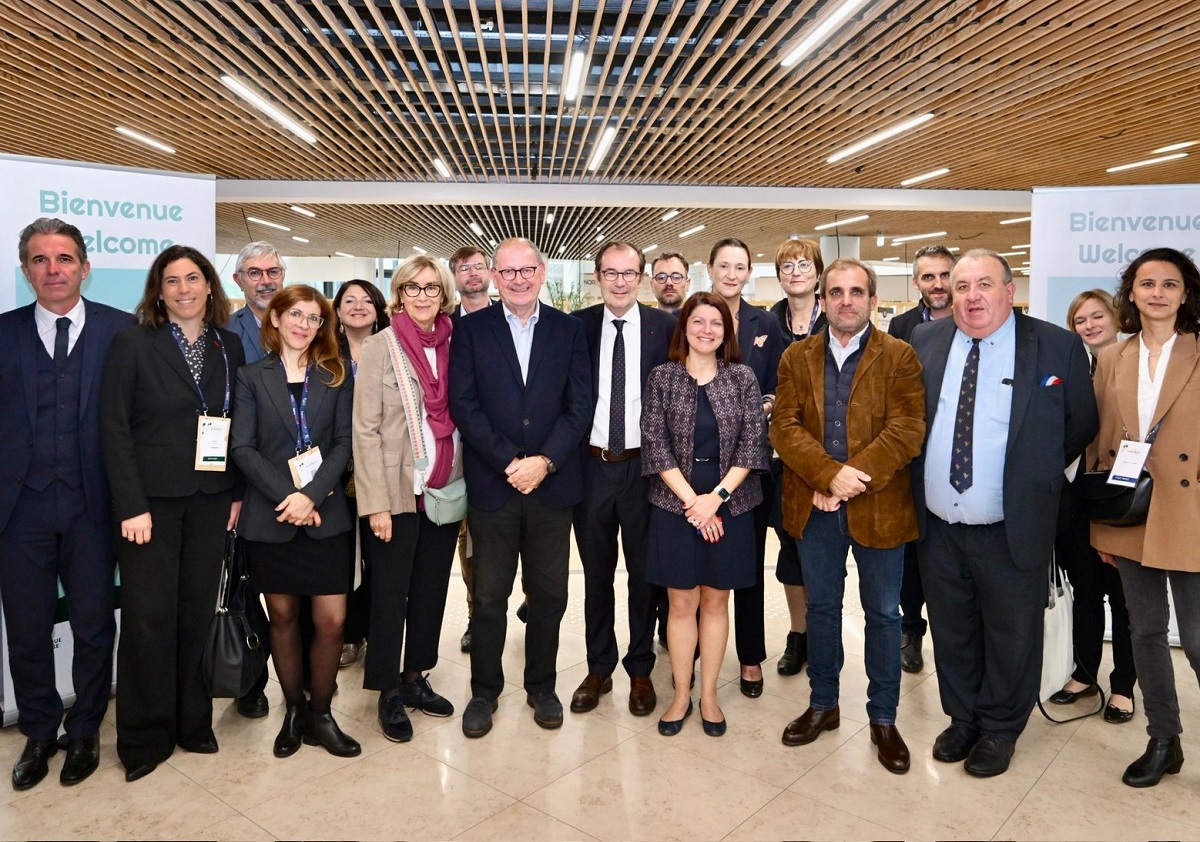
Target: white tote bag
point(1058, 646)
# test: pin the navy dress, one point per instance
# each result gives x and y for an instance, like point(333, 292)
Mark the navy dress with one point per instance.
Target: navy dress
point(677, 556)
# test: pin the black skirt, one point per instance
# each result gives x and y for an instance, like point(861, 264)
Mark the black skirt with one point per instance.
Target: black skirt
point(305, 566)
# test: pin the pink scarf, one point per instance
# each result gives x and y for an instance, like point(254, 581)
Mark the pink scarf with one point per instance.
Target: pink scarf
point(436, 389)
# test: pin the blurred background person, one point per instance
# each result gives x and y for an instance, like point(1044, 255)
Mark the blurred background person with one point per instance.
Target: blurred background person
point(669, 281)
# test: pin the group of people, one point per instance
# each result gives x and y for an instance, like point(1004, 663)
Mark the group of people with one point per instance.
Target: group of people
point(353, 444)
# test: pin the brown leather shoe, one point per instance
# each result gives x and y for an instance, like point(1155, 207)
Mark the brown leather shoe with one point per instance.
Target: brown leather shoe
point(809, 725)
point(588, 694)
point(890, 747)
point(642, 699)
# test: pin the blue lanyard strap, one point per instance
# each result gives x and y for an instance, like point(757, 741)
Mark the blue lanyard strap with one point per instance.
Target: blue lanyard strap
point(178, 335)
point(300, 413)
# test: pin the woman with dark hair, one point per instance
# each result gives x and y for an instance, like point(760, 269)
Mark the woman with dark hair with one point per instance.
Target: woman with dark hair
point(406, 448)
point(1093, 316)
point(360, 312)
point(704, 447)
point(291, 438)
point(1148, 389)
point(761, 344)
point(166, 401)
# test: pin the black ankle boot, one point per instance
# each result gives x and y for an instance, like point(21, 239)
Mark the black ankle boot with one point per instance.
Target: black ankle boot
point(795, 656)
point(320, 729)
point(1163, 756)
point(288, 741)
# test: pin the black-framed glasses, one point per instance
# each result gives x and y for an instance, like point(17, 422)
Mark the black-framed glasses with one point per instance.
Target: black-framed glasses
point(255, 274)
point(526, 272)
point(468, 268)
point(299, 317)
point(413, 290)
point(797, 267)
point(629, 275)
point(674, 277)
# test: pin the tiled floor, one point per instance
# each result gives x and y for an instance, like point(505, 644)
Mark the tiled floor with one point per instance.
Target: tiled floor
point(609, 775)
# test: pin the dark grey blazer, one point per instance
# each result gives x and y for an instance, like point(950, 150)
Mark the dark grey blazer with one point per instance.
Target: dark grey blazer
point(263, 439)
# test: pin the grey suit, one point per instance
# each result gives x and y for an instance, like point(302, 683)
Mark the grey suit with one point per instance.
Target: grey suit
point(248, 330)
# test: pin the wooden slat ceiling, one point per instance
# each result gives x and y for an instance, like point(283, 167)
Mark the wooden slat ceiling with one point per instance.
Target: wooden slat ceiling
point(1045, 92)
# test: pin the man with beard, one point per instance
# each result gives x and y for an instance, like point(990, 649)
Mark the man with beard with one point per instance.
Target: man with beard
point(931, 277)
point(669, 280)
point(260, 272)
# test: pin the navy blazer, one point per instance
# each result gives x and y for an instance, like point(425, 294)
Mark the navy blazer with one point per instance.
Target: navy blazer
point(761, 344)
point(1048, 427)
point(902, 326)
point(263, 439)
point(500, 417)
point(148, 412)
point(19, 347)
point(658, 327)
point(243, 324)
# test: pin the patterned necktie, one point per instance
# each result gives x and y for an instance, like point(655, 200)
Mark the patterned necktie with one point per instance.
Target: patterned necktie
point(60, 340)
point(964, 423)
point(616, 398)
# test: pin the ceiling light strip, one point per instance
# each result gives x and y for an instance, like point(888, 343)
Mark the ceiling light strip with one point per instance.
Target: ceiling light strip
point(847, 221)
point(880, 137)
point(1159, 160)
point(267, 108)
point(822, 31)
point(911, 237)
point(917, 179)
point(275, 225)
point(141, 138)
point(602, 147)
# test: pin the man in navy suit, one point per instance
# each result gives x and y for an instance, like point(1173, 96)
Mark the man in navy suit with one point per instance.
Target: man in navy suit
point(1008, 405)
point(625, 340)
point(521, 396)
point(260, 273)
point(55, 508)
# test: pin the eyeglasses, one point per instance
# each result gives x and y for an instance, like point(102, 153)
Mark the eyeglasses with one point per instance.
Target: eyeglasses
point(798, 267)
point(255, 274)
point(468, 268)
point(629, 275)
point(299, 317)
point(674, 277)
point(413, 290)
point(527, 272)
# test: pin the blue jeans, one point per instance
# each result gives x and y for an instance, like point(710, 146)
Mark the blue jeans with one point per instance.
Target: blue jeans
point(823, 548)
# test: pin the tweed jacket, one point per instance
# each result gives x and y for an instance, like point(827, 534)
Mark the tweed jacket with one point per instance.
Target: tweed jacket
point(885, 427)
point(1167, 540)
point(669, 428)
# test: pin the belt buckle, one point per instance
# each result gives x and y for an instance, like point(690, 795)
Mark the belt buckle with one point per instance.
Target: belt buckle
point(604, 455)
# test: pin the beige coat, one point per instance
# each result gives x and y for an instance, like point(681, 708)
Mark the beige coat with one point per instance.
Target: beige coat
point(1169, 537)
point(383, 452)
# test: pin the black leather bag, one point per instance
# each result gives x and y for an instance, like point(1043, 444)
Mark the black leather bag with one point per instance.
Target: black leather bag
point(236, 651)
point(1115, 505)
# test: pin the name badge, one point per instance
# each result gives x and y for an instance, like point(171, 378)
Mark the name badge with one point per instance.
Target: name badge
point(304, 466)
point(1130, 461)
point(212, 443)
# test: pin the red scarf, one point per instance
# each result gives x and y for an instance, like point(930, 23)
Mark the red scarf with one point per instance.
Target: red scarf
point(436, 400)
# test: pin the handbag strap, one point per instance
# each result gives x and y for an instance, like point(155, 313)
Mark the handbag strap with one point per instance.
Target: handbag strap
point(1153, 434)
point(227, 572)
point(1059, 581)
point(408, 397)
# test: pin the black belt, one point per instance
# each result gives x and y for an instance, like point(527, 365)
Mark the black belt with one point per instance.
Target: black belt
point(623, 456)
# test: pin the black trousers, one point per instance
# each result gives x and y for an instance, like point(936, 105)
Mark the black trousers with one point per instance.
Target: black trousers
point(168, 597)
point(525, 528)
point(410, 576)
point(912, 594)
point(615, 501)
point(986, 617)
point(49, 538)
point(749, 622)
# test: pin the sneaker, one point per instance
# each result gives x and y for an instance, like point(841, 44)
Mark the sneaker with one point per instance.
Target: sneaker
point(420, 696)
point(394, 718)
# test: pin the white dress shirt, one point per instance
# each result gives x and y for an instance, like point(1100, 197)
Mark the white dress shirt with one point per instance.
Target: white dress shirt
point(631, 332)
point(47, 325)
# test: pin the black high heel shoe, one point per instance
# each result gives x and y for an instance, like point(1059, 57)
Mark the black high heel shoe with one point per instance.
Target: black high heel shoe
point(287, 742)
point(1163, 756)
point(320, 729)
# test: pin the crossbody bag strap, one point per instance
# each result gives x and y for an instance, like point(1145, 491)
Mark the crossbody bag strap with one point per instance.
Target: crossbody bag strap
point(408, 397)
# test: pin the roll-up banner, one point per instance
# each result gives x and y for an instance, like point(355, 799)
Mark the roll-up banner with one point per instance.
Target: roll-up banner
point(127, 216)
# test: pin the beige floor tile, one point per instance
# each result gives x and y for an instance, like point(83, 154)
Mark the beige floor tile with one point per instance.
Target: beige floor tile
point(792, 816)
point(520, 821)
point(394, 794)
point(234, 829)
point(163, 805)
point(646, 789)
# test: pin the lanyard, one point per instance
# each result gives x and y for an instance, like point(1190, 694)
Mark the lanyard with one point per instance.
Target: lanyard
point(178, 334)
point(812, 320)
point(300, 413)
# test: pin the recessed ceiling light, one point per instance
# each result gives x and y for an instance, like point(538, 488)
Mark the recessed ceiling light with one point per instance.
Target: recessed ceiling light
point(561, 249)
point(419, 250)
point(649, 249)
point(549, 217)
point(599, 238)
point(669, 215)
point(917, 179)
point(343, 254)
point(821, 31)
point(602, 146)
point(880, 240)
point(759, 254)
point(474, 226)
point(268, 108)
point(1015, 220)
point(141, 138)
point(490, 240)
point(689, 232)
point(440, 166)
point(896, 240)
point(1174, 147)
point(574, 77)
point(1148, 162)
point(886, 134)
point(274, 225)
point(302, 211)
point(300, 239)
point(847, 221)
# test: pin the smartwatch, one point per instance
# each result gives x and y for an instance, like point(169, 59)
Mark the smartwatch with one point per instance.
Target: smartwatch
point(721, 492)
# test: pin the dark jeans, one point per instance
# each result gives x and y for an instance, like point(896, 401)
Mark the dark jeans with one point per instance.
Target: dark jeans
point(825, 544)
point(525, 528)
point(1149, 617)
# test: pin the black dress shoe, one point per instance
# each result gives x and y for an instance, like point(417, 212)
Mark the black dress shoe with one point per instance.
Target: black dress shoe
point(253, 705)
point(808, 726)
point(133, 773)
point(1116, 716)
point(673, 727)
point(419, 695)
point(955, 743)
point(911, 659)
point(890, 748)
point(1163, 756)
point(393, 718)
point(290, 734)
point(547, 709)
point(83, 758)
point(477, 717)
point(464, 643)
point(204, 745)
point(990, 757)
point(795, 654)
point(751, 688)
point(33, 764)
point(713, 729)
point(320, 729)
point(1066, 697)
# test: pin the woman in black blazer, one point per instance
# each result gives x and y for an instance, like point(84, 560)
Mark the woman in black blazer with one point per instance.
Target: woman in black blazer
point(163, 378)
point(292, 440)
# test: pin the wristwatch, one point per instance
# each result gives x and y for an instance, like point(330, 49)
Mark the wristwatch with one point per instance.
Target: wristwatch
point(550, 466)
point(721, 492)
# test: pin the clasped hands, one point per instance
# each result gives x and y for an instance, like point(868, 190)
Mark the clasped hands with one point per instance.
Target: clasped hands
point(702, 514)
point(298, 510)
point(849, 482)
point(526, 474)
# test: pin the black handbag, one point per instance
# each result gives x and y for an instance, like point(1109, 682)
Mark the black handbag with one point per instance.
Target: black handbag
point(1115, 505)
point(236, 652)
